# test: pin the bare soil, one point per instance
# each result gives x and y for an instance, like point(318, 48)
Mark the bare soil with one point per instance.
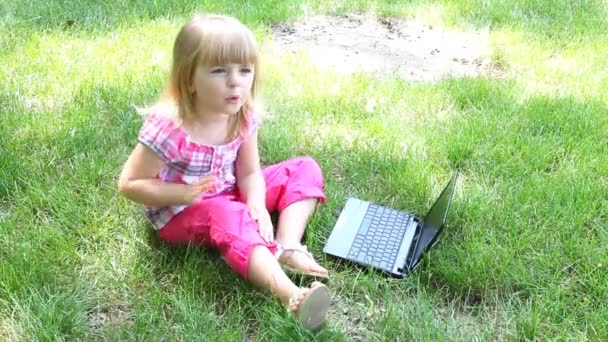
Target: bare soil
point(387, 46)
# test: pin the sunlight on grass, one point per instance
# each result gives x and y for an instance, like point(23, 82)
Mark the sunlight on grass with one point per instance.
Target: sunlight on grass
point(4, 212)
point(60, 65)
point(10, 330)
point(354, 111)
point(109, 264)
point(433, 14)
point(577, 69)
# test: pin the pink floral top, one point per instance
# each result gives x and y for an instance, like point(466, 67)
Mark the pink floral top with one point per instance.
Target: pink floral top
point(186, 161)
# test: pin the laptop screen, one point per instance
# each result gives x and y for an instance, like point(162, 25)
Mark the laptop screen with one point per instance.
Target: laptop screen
point(434, 221)
point(437, 215)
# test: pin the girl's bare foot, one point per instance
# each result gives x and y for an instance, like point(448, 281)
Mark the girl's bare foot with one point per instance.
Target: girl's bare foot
point(298, 260)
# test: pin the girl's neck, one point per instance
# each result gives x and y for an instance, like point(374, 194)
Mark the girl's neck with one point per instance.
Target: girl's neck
point(204, 119)
point(211, 129)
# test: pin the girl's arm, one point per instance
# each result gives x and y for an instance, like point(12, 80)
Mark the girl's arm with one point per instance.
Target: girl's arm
point(252, 187)
point(250, 180)
point(138, 181)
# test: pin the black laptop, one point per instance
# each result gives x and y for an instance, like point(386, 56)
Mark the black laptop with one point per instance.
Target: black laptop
point(389, 240)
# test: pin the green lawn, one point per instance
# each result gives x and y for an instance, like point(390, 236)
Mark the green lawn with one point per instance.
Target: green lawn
point(523, 258)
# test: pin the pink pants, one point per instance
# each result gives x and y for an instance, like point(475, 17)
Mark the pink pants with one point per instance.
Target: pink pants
point(224, 221)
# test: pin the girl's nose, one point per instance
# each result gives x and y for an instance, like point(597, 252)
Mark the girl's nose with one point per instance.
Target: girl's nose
point(232, 78)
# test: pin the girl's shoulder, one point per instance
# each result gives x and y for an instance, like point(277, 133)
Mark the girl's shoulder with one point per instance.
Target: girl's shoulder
point(159, 118)
point(255, 117)
point(161, 133)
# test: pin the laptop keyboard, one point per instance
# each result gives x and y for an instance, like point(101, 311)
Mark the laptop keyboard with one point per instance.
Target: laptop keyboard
point(378, 240)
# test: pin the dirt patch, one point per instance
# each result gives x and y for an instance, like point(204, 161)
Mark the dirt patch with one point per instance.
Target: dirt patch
point(106, 318)
point(389, 46)
point(356, 318)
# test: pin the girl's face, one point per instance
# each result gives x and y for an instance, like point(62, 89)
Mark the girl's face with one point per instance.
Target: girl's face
point(221, 89)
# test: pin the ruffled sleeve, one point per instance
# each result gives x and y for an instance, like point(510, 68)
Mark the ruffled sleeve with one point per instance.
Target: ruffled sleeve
point(157, 133)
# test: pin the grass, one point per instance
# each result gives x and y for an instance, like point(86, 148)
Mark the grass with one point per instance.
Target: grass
point(522, 259)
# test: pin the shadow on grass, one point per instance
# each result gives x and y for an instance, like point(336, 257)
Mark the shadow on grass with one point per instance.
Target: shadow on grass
point(92, 16)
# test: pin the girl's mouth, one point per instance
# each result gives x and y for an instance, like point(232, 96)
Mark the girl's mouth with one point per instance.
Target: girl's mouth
point(233, 99)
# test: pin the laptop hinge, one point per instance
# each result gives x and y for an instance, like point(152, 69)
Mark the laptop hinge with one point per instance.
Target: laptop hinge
point(414, 245)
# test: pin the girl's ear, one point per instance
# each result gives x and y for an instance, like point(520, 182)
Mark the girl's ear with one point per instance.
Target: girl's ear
point(191, 90)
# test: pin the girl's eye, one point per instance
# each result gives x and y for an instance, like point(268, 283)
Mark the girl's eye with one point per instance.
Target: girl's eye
point(218, 70)
point(245, 70)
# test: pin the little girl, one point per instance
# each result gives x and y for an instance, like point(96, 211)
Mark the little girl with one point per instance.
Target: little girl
point(196, 168)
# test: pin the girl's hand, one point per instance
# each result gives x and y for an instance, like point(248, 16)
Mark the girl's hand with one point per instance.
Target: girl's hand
point(262, 217)
point(193, 191)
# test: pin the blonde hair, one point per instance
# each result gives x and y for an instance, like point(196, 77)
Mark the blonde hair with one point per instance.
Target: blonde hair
point(209, 40)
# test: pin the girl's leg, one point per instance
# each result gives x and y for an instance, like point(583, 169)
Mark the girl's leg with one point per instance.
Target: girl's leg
point(237, 236)
point(266, 273)
point(310, 305)
point(294, 188)
point(225, 223)
point(292, 223)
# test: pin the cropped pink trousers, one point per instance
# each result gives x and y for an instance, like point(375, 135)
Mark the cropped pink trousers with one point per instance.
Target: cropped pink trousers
point(224, 221)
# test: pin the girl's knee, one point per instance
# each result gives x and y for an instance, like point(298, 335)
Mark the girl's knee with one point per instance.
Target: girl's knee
point(258, 252)
point(309, 163)
point(243, 258)
point(310, 168)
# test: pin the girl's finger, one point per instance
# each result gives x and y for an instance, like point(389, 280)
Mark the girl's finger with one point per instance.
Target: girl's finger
point(205, 183)
point(202, 187)
point(268, 230)
point(264, 233)
point(265, 237)
point(253, 214)
point(206, 180)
